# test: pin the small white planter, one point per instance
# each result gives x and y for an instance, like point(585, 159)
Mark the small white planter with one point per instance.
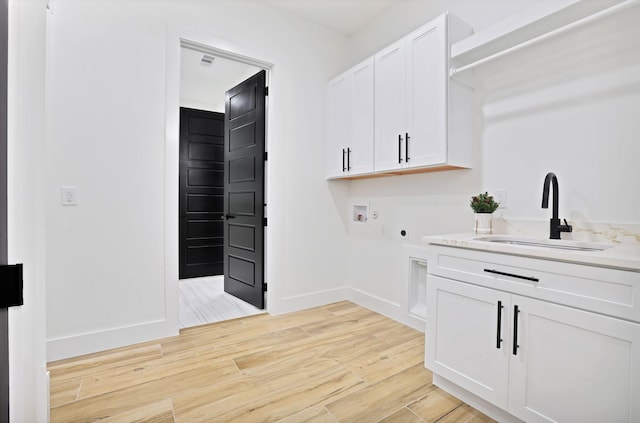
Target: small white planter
point(484, 223)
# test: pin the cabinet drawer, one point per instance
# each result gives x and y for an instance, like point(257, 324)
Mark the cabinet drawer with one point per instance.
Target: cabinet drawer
point(608, 291)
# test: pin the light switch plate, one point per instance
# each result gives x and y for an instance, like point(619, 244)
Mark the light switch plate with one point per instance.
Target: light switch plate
point(69, 196)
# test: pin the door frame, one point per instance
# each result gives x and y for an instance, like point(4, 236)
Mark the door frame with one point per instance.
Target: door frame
point(176, 40)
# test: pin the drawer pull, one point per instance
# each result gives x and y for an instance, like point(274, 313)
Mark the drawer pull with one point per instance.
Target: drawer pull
point(515, 330)
point(497, 272)
point(499, 337)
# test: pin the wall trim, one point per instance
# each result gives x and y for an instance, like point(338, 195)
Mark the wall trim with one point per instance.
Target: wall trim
point(87, 343)
point(387, 308)
point(312, 299)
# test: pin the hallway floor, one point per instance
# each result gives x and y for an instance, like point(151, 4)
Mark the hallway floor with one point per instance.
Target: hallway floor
point(203, 301)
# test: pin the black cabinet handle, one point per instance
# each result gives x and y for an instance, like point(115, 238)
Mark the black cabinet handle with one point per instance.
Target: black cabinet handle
point(227, 217)
point(399, 148)
point(348, 159)
point(343, 166)
point(406, 147)
point(499, 336)
point(515, 330)
point(513, 275)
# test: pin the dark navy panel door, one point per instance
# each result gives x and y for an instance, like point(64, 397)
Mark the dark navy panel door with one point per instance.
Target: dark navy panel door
point(244, 202)
point(201, 193)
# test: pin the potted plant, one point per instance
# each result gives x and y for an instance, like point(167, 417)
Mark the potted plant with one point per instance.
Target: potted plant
point(483, 205)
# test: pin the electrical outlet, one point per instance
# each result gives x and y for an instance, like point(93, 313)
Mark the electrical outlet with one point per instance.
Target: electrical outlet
point(69, 196)
point(500, 197)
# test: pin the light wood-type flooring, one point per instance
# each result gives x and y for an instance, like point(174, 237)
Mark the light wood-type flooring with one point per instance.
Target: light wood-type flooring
point(335, 363)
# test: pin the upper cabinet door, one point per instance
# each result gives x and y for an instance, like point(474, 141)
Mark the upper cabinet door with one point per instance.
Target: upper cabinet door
point(339, 125)
point(349, 149)
point(426, 95)
point(360, 147)
point(390, 107)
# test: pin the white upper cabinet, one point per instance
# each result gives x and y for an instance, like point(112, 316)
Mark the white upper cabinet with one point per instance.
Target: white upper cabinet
point(349, 149)
point(401, 108)
point(415, 102)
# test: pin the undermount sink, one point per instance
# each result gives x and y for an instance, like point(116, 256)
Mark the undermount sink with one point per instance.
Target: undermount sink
point(546, 243)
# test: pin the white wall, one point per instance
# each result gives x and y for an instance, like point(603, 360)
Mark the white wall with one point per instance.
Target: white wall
point(569, 106)
point(112, 265)
point(28, 389)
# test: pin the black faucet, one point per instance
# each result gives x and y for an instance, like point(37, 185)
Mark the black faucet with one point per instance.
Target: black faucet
point(554, 225)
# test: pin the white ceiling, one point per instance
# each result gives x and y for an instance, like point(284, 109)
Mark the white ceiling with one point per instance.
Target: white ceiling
point(203, 87)
point(344, 16)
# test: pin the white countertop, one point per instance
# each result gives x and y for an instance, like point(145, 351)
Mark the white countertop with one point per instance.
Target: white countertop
point(619, 256)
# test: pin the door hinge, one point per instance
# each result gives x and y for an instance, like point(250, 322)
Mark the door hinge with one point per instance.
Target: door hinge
point(264, 221)
point(264, 287)
point(266, 91)
point(11, 285)
point(266, 156)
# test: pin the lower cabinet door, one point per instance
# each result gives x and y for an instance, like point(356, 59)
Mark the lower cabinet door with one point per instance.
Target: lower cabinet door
point(573, 366)
point(467, 337)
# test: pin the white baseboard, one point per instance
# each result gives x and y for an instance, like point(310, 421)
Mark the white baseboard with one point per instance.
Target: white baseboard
point(313, 299)
point(87, 343)
point(386, 308)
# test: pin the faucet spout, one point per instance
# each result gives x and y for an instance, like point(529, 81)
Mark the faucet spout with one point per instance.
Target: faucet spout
point(555, 227)
point(548, 180)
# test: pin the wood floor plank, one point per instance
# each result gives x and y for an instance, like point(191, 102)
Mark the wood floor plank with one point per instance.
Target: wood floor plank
point(81, 366)
point(403, 415)
point(435, 404)
point(380, 365)
point(118, 401)
point(335, 363)
point(317, 414)
point(383, 398)
point(466, 414)
point(284, 403)
point(159, 412)
point(64, 391)
point(227, 347)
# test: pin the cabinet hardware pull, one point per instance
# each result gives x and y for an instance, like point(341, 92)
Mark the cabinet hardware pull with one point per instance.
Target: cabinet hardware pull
point(497, 272)
point(399, 148)
point(348, 159)
point(227, 217)
point(406, 147)
point(499, 337)
point(515, 330)
point(343, 166)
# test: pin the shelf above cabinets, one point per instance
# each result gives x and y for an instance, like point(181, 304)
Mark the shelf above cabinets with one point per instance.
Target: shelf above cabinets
point(398, 112)
point(543, 21)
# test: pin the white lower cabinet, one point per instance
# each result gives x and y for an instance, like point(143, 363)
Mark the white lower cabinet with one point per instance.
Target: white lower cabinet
point(539, 361)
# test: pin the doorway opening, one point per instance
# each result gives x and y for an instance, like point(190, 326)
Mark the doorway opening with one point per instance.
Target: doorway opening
point(221, 251)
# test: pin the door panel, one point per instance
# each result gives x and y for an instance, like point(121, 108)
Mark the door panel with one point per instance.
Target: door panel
point(588, 360)
point(390, 114)
point(463, 326)
point(427, 95)
point(201, 193)
point(244, 190)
